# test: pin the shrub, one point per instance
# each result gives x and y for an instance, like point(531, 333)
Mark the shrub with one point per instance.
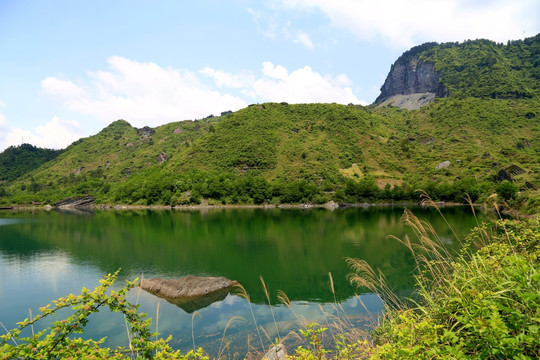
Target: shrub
point(60, 340)
point(482, 304)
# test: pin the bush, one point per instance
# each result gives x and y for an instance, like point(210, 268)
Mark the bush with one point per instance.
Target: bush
point(60, 340)
point(506, 190)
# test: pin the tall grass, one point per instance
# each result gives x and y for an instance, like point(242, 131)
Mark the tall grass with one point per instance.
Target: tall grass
point(483, 302)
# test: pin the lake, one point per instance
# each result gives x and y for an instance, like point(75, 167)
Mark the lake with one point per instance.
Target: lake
point(46, 255)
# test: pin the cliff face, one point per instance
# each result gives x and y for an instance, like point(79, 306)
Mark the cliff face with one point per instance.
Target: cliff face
point(411, 77)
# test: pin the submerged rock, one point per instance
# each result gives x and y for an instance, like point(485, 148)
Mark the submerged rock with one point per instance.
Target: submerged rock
point(276, 352)
point(190, 293)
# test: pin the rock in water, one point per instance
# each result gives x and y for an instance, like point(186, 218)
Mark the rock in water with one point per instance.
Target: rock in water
point(190, 293)
point(276, 352)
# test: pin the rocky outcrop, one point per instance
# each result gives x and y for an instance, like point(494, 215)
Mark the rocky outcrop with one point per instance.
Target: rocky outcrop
point(146, 132)
point(530, 186)
point(162, 158)
point(190, 293)
point(78, 171)
point(411, 84)
point(509, 172)
point(514, 170)
point(76, 202)
point(443, 165)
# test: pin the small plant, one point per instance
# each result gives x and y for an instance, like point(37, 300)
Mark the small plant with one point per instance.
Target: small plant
point(59, 341)
point(313, 333)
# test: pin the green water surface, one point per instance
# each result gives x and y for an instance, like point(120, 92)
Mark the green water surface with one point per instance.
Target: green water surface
point(49, 254)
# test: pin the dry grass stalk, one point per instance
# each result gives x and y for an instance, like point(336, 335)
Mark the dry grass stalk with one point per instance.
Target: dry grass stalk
point(243, 293)
point(157, 319)
point(270, 305)
point(224, 339)
point(192, 332)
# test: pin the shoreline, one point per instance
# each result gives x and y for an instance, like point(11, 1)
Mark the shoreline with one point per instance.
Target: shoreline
point(206, 206)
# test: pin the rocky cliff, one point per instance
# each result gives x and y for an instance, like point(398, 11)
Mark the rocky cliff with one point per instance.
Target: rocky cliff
point(409, 83)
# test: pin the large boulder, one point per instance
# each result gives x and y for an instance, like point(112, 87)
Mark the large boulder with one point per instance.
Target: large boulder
point(190, 293)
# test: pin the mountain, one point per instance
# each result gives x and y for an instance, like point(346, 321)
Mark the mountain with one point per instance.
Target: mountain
point(478, 126)
point(479, 68)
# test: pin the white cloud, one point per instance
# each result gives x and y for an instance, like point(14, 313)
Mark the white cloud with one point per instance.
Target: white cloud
point(274, 72)
point(63, 88)
point(56, 134)
point(272, 26)
point(277, 84)
point(226, 79)
point(147, 94)
point(2, 120)
point(405, 23)
point(304, 39)
point(142, 93)
point(302, 86)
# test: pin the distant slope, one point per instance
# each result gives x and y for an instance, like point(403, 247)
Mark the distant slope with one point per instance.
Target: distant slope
point(120, 150)
point(15, 161)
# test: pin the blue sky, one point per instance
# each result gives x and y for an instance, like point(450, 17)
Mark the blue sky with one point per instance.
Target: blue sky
point(69, 68)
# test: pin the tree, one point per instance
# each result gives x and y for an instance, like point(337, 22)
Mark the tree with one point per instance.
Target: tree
point(506, 190)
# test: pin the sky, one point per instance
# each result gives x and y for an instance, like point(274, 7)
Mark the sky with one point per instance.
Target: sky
point(69, 68)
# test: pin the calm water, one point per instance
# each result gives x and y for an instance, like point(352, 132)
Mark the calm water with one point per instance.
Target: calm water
point(47, 255)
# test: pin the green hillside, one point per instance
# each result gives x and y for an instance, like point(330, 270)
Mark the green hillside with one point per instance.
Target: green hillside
point(483, 138)
point(301, 153)
point(483, 68)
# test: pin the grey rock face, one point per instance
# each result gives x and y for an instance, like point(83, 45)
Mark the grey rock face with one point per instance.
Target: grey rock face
point(411, 77)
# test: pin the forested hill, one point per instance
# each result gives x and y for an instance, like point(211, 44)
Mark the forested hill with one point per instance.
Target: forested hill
point(16, 161)
point(480, 135)
point(303, 153)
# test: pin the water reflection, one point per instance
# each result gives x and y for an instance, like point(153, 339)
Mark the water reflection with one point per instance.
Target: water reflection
point(47, 255)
